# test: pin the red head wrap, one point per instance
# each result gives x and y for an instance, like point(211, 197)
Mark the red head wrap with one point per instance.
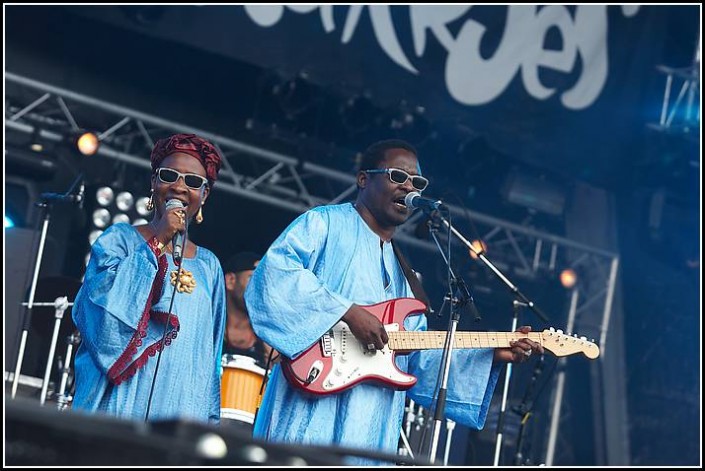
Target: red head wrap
point(192, 145)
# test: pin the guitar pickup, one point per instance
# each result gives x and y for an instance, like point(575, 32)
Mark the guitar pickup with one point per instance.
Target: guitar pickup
point(327, 344)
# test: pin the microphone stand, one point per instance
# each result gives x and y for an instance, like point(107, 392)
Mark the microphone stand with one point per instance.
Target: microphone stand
point(406, 429)
point(457, 301)
point(481, 255)
point(46, 207)
point(410, 417)
point(450, 426)
point(507, 376)
point(60, 305)
point(525, 412)
point(524, 302)
point(63, 398)
point(179, 264)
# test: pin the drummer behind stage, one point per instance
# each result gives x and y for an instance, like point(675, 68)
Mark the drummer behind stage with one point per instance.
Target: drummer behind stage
point(239, 337)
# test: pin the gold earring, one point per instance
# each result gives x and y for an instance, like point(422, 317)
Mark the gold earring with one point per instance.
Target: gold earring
point(149, 205)
point(199, 216)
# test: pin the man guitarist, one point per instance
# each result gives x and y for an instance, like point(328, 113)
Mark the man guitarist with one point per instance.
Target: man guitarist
point(322, 269)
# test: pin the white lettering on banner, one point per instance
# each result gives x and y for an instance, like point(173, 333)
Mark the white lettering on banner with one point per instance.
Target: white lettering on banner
point(472, 79)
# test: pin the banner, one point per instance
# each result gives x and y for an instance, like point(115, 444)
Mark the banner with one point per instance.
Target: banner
point(566, 88)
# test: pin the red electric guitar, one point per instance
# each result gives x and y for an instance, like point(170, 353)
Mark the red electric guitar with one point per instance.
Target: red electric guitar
point(338, 361)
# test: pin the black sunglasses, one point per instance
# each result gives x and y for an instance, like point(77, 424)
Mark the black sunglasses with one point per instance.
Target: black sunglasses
point(400, 177)
point(192, 180)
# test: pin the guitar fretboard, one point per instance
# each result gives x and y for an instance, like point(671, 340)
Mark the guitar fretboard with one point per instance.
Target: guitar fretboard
point(436, 339)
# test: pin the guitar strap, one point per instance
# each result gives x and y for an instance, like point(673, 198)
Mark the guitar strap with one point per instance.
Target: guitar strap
point(414, 283)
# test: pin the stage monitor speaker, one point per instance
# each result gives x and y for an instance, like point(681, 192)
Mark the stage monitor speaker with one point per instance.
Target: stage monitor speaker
point(45, 436)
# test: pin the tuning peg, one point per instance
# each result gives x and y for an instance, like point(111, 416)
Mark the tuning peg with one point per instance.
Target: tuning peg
point(552, 329)
point(583, 338)
point(560, 331)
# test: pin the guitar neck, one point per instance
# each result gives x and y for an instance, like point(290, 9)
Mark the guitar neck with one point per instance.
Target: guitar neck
point(436, 339)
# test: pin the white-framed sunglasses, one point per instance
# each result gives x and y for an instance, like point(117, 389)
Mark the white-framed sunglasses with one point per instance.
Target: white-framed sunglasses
point(192, 180)
point(400, 177)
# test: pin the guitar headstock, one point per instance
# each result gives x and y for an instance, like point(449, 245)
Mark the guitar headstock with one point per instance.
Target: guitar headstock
point(561, 344)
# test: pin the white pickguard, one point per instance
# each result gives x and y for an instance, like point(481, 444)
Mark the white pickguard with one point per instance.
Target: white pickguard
point(351, 360)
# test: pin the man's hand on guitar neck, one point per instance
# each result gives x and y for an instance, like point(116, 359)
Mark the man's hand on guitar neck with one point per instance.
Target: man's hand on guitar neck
point(520, 350)
point(366, 327)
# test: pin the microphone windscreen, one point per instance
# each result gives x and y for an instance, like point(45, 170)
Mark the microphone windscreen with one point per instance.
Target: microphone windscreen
point(174, 203)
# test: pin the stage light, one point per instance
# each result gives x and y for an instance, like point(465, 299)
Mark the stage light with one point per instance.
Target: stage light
point(212, 446)
point(9, 223)
point(141, 206)
point(94, 235)
point(35, 143)
point(88, 143)
point(294, 96)
point(104, 196)
point(114, 202)
point(480, 248)
point(121, 218)
point(101, 218)
point(408, 122)
point(358, 113)
point(534, 193)
point(124, 201)
point(568, 278)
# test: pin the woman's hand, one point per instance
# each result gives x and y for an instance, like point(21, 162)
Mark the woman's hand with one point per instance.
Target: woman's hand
point(171, 222)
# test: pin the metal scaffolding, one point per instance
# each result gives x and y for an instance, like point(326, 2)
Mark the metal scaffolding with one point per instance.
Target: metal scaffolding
point(41, 109)
point(682, 113)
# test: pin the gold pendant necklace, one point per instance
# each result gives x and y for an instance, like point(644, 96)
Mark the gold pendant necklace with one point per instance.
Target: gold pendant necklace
point(186, 281)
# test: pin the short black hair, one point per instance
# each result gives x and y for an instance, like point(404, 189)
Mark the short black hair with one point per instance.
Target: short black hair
point(241, 261)
point(376, 152)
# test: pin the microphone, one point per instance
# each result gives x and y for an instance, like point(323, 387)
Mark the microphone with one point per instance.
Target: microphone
point(414, 200)
point(178, 240)
point(61, 197)
point(464, 290)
